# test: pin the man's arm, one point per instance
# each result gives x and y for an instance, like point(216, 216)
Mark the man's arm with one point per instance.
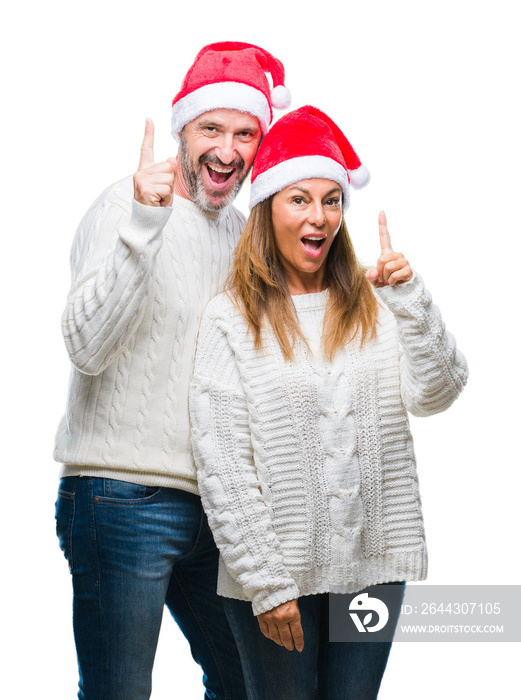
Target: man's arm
point(113, 264)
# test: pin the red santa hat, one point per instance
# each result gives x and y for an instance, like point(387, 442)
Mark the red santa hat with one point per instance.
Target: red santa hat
point(305, 144)
point(231, 75)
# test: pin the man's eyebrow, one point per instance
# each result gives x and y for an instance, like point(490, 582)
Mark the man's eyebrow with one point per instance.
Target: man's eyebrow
point(209, 122)
point(215, 124)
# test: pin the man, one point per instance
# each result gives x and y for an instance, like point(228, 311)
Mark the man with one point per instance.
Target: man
point(147, 257)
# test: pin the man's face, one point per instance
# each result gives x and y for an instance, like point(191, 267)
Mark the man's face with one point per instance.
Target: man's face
point(217, 151)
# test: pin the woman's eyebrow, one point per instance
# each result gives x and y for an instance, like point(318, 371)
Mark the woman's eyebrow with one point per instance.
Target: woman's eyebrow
point(302, 189)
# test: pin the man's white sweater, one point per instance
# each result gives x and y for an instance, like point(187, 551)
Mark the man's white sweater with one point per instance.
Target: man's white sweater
point(141, 278)
point(306, 468)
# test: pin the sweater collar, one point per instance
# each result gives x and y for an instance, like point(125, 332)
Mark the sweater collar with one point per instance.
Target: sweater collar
point(188, 205)
point(316, 300)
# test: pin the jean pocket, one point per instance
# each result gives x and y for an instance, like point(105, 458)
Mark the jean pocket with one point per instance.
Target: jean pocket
point(65, 507)
point(123, 492)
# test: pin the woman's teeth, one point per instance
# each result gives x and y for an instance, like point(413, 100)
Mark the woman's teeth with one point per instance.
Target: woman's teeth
point(313, 244)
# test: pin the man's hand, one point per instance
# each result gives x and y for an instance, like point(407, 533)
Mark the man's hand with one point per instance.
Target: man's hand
point(154, 184)
point(282, 625)
point(391, 268)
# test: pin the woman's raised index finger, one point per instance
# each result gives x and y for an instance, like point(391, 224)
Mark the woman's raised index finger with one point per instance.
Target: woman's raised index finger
point(147, 147)
point(385, 238)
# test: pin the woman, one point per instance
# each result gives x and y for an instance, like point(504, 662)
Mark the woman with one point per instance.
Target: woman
point(303, 379)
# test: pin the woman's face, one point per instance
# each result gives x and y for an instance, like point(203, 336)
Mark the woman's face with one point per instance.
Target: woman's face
point(306, 217)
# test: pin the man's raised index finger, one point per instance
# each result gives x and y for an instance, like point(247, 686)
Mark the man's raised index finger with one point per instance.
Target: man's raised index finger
point(385, 238)
point(147, 147)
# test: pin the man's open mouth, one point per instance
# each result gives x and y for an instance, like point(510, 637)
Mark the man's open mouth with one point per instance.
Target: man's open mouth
point(313, 245)
point(219, 174)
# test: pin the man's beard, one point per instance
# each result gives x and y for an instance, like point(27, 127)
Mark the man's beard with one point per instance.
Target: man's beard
point(194, 180)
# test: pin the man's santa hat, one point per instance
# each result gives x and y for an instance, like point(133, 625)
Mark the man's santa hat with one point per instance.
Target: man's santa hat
point(231, 75)
point(305, 144)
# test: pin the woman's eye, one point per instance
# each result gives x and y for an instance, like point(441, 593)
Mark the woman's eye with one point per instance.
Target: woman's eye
point(333, 202)
point(298, 200)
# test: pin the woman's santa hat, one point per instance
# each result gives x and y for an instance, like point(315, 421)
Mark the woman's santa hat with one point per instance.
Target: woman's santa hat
point(231, 75)
point(305, 144)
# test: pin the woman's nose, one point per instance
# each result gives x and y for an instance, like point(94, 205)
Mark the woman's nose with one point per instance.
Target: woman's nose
point(317, 216)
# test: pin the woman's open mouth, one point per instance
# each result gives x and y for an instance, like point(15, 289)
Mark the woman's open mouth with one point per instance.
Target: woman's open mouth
point(219, 175)
point(313, 245)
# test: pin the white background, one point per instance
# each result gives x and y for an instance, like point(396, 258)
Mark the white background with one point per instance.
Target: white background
point(428, 94)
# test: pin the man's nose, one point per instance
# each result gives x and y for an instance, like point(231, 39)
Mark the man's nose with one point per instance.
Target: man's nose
point(225, 150)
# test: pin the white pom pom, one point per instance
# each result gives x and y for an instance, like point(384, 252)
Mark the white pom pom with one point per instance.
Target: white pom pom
point(359, 177)
point(280, 97)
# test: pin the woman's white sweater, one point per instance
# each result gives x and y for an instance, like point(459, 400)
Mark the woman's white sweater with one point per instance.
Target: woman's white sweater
point(306, 468)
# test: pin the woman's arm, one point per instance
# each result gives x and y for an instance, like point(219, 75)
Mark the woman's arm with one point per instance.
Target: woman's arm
point(433, 370)
point(228, 482)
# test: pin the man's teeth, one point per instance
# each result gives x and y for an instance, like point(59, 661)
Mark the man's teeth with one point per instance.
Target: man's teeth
point(220, 170)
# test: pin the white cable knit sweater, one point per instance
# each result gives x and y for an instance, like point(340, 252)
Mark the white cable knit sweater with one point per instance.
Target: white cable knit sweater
point(141, 278)
point(306, 468)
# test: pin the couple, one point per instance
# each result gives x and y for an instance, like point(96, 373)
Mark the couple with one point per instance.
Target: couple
point(294, 412)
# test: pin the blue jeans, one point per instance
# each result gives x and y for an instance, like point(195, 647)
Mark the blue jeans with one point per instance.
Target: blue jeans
point(132, 549)
point(324, 670)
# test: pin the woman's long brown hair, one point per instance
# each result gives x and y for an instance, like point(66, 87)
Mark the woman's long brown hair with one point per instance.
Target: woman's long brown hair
point(258, 284)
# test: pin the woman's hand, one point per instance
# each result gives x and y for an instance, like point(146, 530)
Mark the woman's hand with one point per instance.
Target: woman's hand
point(282, 625)
point(391, 268)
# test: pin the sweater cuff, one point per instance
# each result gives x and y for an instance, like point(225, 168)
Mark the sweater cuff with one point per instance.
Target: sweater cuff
point(149, 217)
point(400, 296)
point(143, 232)
point(267, 600)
